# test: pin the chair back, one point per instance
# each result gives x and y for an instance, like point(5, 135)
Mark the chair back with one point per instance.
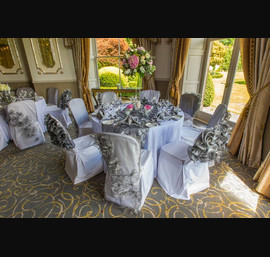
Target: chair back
point(52, 96)
point(29, 90)
point(24, 126)
point(219, 113)
point(78, 110)
point(58, 134)
point(150, 94)
point(190, 103)
point(212, 142)
point(122, 154)
point(65, 97)
point(107, 97)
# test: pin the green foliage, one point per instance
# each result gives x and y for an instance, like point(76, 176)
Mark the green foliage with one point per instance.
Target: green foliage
point(109, 77)
point(209, 93)
point(216, 75)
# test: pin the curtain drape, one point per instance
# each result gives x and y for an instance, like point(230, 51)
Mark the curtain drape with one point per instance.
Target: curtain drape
point(180, 47)
point(81, 57)
point(247, 135)
point(85, 52)
point(149, 44)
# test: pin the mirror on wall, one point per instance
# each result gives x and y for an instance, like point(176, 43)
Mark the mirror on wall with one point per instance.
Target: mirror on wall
point(47, 55)
point(9, 57)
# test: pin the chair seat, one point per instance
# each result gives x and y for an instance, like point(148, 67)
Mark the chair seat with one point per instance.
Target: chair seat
point(85, 128)
point(178, 175)
point(84, 161)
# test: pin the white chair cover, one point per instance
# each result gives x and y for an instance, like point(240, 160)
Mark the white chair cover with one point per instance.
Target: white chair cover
point(130, 170)
point(83, 157)
point(219, 113)
point(84, 161)
point(150, 94)
point(4, 133)
point(178, 175)
point(24, 126)
point(183, 169)
point(107, 97)
point(81, 116)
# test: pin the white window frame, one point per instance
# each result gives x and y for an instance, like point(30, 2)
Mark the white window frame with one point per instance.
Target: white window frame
point(230, 78)
point(104, 56)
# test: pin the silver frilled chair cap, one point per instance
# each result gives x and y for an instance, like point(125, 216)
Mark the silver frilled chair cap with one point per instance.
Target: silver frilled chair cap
point(183, 169)
point(130, 170)
point(81, 116)
point(83, 157)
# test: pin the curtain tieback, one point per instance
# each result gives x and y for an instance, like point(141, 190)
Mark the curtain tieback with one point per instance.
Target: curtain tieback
point(253, 96)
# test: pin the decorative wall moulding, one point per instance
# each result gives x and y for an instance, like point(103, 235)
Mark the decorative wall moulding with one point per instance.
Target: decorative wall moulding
point(9, 57)
point(47, 55)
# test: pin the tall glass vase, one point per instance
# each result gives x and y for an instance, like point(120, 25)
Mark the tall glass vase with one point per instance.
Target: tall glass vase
point(139, 82)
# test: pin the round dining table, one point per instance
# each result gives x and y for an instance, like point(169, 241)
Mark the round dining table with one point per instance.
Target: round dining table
point(166, 132)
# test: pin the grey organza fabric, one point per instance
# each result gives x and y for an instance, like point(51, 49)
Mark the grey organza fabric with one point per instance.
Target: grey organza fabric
point(24, 126)
point(52, 96)
point(107, 97)
point(128, 177)
point(58, 134)
point(65, 97)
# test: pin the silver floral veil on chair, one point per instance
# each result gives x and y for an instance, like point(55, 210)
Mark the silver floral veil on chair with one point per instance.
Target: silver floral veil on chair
point(130, 170)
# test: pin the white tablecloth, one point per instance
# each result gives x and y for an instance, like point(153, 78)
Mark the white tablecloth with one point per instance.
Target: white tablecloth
point(167, 132)
point(41, 108)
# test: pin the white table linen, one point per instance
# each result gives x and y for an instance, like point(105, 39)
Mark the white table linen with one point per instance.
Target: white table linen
point(168, 131)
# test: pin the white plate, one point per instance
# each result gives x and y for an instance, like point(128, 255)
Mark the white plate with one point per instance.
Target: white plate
point(107, 122)
point(177, 117)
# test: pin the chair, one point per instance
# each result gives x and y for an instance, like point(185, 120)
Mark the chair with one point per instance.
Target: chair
point(52, 96)
point(130, 170)
point(107, 97)
point(190, 104)
point(29, 91)
point(4, 131)
point(183, 169)
point(190, 133)
point(150, 95)
point(60, 113)
point(81, 116)
point(83, 157)
point(23, 123)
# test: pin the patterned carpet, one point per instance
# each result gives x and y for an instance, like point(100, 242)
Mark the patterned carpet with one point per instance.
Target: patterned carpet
point(34, 184)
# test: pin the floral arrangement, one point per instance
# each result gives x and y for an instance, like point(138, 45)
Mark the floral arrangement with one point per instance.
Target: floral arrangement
point(147, 108)
point(4, 87)
point(130, 107)
point(137, 60)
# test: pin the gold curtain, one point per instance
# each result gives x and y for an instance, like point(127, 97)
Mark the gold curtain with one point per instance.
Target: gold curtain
point(247, 135)
point(180, 47)
point(149, 44)
point(263, 177)
point(85, 43)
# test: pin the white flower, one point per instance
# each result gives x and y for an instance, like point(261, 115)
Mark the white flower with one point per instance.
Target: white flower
point(142, 61)
point(142, 69)
point(127, 71)
point(147, 55)
point(135, 70)
point(142, 58)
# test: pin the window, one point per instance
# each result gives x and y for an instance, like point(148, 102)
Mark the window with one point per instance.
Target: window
point(224, 78)
point(109, 52)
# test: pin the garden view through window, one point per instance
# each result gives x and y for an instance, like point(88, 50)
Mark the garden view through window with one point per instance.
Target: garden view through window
point(225, 81)
point(109, 52)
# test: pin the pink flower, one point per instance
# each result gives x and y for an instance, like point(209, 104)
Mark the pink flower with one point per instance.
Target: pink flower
point(133, 61)
point(130, 106)
point(147, 107)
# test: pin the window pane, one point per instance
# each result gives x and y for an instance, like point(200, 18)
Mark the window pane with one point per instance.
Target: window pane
point(239, 95)
point(220, 59)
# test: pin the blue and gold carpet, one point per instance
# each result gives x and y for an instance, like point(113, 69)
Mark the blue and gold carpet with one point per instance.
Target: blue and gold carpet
point(34, 184)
